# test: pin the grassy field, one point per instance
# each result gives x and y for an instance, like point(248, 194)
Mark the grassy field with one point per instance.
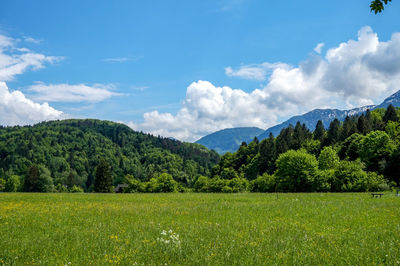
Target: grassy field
point(201, 229)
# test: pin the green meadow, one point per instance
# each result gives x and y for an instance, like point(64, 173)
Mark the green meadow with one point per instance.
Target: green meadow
point(199, 229)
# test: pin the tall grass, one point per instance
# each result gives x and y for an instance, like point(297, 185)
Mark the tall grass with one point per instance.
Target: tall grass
point(199, 229)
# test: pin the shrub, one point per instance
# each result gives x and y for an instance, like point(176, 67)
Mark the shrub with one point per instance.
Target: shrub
point(375, 149)
point(328, 159)
point(238, 184)
point(162, 183)
point(322, 180)
point(295, 171)
point(76, 189)
point(375, 182)
point(201, 185)
point(264, 183)
point(349, 176)
point(216, 184)
point(13, 184)
point(2, 184)
point(61, 188)
point(227, 189)
point(134, 185)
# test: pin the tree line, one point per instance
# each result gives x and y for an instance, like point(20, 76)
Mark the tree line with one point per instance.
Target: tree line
point(362, 153)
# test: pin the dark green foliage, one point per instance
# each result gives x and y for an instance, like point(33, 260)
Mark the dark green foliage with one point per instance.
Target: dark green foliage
point(71, 150)
point(350, 147)
point(333, 135)
point(319, 132)
point(103, 179)
point(2, 184)
point(268, 155)
point(38, 179)
point(392, 170)
point(390, 114)
point(349, 127)
point(284, 141)
point(31, 183)
point(377, 5)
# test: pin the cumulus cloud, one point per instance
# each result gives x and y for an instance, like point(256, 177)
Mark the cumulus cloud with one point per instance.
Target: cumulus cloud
point(72, 93)
point(355, 73)
point(206, 109)
point(16, 109)
point(16, 60)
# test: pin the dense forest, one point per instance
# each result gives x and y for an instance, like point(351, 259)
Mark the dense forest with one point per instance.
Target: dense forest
point(65, 154)
point(362, 153)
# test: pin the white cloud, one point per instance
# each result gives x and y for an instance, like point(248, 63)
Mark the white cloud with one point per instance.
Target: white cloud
point(16, 109)
point(357, 72)
point(206, 109)
point(256, 72)
point(122, 59)
point(31, 40)
point(116, 59)
point(318, 48)
point(72, 93)
point(16, 60)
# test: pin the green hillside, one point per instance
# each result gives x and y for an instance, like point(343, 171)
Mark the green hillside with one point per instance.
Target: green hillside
point(68, 151)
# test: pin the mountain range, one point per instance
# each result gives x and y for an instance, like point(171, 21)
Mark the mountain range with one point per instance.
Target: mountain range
point(229, 140)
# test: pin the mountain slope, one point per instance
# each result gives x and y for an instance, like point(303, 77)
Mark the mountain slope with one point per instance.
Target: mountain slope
point(328, 115)
point(394, 100)
point(75, 147)
point(311, 118)
point(229, 140)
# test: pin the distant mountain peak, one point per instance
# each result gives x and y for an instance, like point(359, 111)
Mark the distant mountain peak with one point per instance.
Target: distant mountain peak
point(393, 99)
point(229, 139)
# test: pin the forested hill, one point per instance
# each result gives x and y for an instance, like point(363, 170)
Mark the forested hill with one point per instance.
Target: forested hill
point(70, 150)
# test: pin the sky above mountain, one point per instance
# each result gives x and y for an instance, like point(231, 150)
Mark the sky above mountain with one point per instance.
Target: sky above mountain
point(185, 69)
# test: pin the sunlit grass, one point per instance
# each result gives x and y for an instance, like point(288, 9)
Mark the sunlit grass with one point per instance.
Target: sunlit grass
point(230, 229)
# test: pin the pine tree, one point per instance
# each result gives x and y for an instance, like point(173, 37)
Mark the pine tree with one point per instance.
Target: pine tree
point(319, 132)
point(333, 132)
point(349, 128)
point(284, 141)
point(361, 125)
point(103, 180)
point(299, 136)
point(31, 183)
point(390, 114)
point(268, 155)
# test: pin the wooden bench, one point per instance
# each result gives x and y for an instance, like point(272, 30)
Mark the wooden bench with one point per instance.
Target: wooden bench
point(376, 195)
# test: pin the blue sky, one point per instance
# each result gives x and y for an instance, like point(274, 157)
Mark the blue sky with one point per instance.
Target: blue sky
point(187, 68)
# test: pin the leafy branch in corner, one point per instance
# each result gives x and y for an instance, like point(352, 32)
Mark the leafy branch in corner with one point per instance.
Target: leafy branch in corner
point(377, 6)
